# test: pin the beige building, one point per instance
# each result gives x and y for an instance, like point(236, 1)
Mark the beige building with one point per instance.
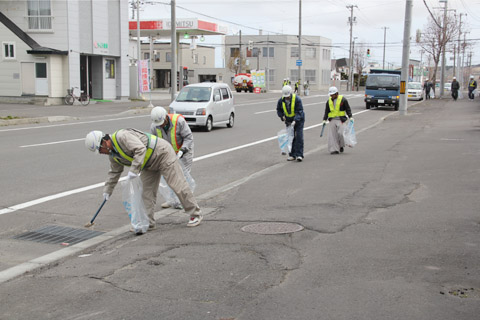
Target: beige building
point(278, 55)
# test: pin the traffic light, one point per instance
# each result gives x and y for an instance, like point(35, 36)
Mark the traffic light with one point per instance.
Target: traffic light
point(250, 45)
point(368, 52)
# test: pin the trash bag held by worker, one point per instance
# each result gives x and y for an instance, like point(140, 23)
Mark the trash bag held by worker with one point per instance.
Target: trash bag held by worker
point(349, 135)
point(167, 193)
point(285, 139)
point(133, 204)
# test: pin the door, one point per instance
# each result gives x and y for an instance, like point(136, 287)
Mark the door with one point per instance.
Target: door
point(41, 80)
point(28, 78)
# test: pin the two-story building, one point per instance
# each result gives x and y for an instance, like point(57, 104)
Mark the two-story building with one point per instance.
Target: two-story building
point(51, 46)
point(278, 55)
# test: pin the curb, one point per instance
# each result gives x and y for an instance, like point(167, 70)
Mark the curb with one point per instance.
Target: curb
point(4, 123)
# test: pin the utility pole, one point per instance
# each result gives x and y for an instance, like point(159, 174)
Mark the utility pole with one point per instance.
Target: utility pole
point(173, 55)
point(240, 51)
point(405, 57)
point(299, 43)
point(384, 41)
point(444, 47)
point(138, 47)
point(268, 62)
point(458, 50)
point(350, 57)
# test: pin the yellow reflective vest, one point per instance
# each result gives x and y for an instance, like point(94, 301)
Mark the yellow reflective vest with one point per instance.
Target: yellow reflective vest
point(292, 109)
point(335, 111)
point(152, 142)
point(173, 132)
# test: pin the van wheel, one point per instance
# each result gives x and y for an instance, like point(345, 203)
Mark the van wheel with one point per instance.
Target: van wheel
point(367, 106)
point(209, 125)
point(231, 120)
point(396, 106)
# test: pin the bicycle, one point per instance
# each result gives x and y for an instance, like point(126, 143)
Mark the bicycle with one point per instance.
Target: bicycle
point(76, 94)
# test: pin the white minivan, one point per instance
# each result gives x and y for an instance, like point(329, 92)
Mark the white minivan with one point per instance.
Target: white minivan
point(205, 104)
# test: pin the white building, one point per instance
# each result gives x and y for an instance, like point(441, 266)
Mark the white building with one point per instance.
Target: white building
point(49, 46)
point(279, 54)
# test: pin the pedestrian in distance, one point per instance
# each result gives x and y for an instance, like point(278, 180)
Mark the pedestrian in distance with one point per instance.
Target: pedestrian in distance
point(455, 87)
point(290, 111)
point(427, 86)
point(472, 85)
point(336, 110)
point(175, 130)
point(297, 85)
point(148, 157)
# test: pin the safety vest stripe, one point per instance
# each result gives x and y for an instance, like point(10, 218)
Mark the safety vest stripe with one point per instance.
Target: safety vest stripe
point(292, 109)
point(335, 111)
point(151, 144)
point(173, 131)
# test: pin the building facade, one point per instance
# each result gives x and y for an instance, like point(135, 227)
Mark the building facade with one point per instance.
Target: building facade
point(49, 46)
point(278, 55)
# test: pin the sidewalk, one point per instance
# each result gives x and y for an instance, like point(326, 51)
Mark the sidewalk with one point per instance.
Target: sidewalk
point(15, 114)
point(390, 232)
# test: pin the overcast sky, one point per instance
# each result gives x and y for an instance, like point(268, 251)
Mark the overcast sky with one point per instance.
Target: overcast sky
point(326, 18)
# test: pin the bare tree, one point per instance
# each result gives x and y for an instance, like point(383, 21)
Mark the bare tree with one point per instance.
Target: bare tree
point(359, 61)
point(434, 38)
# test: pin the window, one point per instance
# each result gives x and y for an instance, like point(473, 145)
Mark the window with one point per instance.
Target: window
point(156, 56)
point(146, 55)
point(268, 51)
point(204, 60)
point(8, 50)
point(225, 94)
point(234, 52)
point(255, 52)
point(41, 70)
point(39, 14)
point(311, 53)
point(109, 69)
point(271, 75)
point(326, 54)
point(293, 75)
point(168, 57)
point(294, 52)
point(195, 58)
point(310, 75)
point(217, 93)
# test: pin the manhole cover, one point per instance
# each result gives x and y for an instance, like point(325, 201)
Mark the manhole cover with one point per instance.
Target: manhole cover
point(57, 235)
point(272, 228)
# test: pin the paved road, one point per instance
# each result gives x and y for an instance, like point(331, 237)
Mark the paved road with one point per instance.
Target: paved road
point(391, 232)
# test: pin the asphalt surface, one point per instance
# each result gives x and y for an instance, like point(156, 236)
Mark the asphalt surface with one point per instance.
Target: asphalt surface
point(390, 232)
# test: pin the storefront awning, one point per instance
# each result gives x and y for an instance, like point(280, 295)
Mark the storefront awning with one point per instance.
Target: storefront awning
point(161, 28)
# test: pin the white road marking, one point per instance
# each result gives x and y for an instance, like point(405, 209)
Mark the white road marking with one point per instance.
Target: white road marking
point(47, 143)
point(71, 124)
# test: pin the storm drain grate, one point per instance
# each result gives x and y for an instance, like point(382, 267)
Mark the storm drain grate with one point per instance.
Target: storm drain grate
point(58, 235)
point(272, 228)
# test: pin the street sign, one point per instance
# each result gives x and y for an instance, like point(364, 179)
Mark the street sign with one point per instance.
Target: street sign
point(299, 63)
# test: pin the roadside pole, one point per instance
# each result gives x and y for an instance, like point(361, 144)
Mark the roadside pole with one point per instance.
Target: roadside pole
point(405, 58)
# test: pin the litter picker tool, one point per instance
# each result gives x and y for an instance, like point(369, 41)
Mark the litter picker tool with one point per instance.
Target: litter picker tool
point(323, 128)
point(88, 225)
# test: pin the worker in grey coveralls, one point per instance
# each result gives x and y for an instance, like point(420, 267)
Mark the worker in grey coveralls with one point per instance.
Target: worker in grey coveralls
point(152, 157)
point(336, 108)
point(175, 130)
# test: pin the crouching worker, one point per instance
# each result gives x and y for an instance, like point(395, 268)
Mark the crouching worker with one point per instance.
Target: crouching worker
point(152, 157)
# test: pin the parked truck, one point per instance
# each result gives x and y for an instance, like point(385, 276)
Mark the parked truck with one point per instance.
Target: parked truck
point(383, 88)
point(243, 82)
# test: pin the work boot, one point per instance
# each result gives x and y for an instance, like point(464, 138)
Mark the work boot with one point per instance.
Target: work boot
point(166, 205)
point(194, 221)
point(334, 152)
point(341, 149)
point(290, 158)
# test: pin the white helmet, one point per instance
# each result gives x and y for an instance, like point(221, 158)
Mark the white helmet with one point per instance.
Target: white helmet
point(158, 115)
point(332, 90)
point(286, 91)
point(94, 140)
point(471, 77)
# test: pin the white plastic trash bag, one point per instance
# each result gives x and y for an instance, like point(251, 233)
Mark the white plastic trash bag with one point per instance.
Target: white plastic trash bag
point(133, 204)
point(432, 94)
point(349, 135)
point(285, 139)
point(167, 193)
